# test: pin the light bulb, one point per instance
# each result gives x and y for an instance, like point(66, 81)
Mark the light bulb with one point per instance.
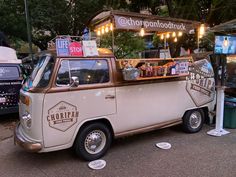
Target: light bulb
point(202, 30)
point(142, 32)
point(111, 26)
point(98, 32)
point(173, 34)
point(175, 40)
point(106, 29)
point(103, 31)
point(167, 35)
point(162, 36)
point(180, 33)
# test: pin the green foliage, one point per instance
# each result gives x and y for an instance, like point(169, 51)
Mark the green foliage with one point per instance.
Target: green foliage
point(127, 44)
point(207, 41)
point(49, 18)
point(222, 11)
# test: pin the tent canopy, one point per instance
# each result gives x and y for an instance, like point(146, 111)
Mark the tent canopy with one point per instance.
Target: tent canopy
point(227, 27)
point(136, 21)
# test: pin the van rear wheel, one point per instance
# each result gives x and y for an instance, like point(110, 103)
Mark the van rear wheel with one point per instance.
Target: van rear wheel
point(193, 120)
point(93, 141)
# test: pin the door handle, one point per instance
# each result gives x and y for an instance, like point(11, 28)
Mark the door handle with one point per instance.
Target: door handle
point(109, 97)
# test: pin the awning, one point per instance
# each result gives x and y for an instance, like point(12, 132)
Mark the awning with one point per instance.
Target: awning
point(136, 21)
point(226, 28)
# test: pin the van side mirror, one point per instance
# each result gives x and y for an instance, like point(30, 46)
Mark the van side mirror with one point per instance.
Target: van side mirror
point(75, 81)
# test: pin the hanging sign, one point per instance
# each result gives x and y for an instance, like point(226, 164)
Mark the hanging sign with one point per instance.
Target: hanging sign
point(151, 24)
point(90, 48)
point(76, 49)
point(165, 53)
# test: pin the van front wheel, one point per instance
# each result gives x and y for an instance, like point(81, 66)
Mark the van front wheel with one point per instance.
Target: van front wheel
point(193, 120)
point(93, 141)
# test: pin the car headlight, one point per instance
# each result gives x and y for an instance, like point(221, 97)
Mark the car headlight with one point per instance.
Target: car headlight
point(27, 120)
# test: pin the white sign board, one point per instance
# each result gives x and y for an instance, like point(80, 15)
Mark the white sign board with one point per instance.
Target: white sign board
point(90, 48)
point(165, 53)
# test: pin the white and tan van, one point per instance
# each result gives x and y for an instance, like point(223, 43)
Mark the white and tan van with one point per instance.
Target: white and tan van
point(85, 102)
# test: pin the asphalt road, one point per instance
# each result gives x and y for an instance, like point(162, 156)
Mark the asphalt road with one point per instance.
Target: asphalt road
point(191, 155)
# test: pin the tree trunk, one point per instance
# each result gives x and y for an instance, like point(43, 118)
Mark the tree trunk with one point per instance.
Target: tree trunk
point(170, 8)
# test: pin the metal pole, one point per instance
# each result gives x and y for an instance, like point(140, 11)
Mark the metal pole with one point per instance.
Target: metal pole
point(113, 41)
point(29, 32)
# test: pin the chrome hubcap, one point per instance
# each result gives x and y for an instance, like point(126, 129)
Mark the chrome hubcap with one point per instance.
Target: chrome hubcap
point(95, 142)
point(195, 119)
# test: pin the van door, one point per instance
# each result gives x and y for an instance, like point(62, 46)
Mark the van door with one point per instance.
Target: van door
point(83, 91)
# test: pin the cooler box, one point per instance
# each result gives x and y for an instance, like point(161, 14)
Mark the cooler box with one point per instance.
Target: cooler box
point(229, 112)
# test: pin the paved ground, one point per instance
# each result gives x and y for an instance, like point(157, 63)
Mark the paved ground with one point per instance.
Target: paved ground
point(7, 124)
point(191, 155)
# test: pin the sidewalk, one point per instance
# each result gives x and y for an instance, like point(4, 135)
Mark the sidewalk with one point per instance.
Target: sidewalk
point(7, 124)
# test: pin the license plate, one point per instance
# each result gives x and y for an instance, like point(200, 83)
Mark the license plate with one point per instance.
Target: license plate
point(2, 100)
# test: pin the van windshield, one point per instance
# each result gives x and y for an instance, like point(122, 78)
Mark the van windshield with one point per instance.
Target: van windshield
point(41, 74)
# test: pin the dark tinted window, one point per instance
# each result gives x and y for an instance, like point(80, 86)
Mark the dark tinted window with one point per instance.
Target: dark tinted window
point(9, 72)
point(87, 71)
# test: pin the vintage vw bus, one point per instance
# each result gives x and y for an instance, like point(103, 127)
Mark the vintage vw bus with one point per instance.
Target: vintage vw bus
point(85, 102)
point(10, 80)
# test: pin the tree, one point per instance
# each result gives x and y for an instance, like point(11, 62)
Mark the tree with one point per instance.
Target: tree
point(221, 11)
point(127, 44)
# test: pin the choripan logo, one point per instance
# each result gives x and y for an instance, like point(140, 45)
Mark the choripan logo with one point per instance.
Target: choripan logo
point(131, 22)
point(62, 116)
point(201, 84)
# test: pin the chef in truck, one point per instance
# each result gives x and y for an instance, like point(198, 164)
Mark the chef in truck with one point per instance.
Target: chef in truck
point(87, 98)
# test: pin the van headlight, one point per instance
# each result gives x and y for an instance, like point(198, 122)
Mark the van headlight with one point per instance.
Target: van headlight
point(27, 120)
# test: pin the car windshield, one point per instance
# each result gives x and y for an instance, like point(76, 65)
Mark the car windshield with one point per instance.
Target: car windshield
point(41, 74)
point(9, 72)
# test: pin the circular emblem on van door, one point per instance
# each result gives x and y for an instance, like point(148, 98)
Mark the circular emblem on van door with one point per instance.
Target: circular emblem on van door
point(62, 116)
point(200, 83)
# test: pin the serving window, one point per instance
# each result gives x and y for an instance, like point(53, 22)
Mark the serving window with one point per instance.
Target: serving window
point(144, 69)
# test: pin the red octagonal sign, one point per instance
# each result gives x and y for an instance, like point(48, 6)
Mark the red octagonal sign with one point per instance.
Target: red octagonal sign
point(76, 49)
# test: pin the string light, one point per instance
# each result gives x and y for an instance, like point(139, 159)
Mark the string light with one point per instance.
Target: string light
point(142, 32)
point(98, 32)
point(167, 35)
point(173, 34)
point(103, 31)
point(180, 33)
point(162, 36)
point(175, 40)
point(106, 29)
point(111, 26)
point(201, 30)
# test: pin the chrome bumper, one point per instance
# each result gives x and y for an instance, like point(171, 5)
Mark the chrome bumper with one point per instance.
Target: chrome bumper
point(24, 143)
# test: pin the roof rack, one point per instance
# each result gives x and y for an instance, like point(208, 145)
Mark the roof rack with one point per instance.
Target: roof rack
point(52, 43)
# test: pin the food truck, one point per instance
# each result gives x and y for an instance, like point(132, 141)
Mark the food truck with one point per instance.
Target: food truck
point(83, 97)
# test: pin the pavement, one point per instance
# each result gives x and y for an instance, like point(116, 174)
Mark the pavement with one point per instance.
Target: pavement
point(7, 124)
point(191, 155)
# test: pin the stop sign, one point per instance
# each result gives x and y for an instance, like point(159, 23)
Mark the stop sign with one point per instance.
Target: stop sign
point(76, 49)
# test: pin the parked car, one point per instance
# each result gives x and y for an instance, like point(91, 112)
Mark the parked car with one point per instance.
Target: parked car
point(10, 80)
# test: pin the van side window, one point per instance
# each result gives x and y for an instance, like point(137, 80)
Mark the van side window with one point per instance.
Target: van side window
point(63, 77)
point(90, 71)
